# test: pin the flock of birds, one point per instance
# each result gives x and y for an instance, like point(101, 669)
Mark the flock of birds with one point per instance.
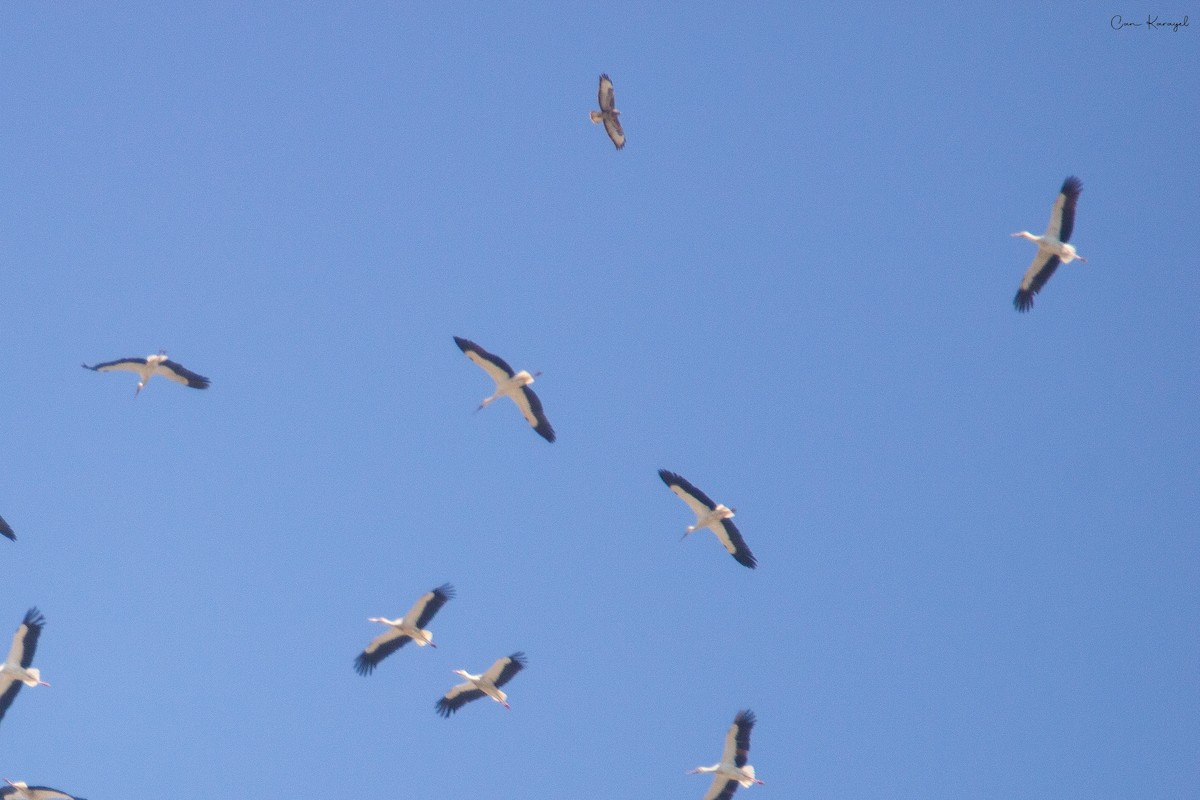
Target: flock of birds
point(732, 770)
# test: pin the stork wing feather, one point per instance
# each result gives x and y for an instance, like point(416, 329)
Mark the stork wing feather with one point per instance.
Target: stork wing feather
point(722, 788)
point(1062, 216)
point(178, 373)
point(731, 537)
point(127, 364)
point(46, 793)
point(380, 648)
point(492, 364)
point(531, 408)
point(504, 669)
point(697, 500)
point(456, 698)
point(24, 642)
point(607, 98)
point(6, 530)
point(429, 604)
point(1039, 272)
point(9, 687)
point(737, 740)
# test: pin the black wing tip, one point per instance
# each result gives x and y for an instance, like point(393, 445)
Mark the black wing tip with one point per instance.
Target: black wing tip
point(466, 345)
point(604, 77)
point(445, 591)
point(6, 530)
point(745, 718)
point(444, 708)
point(668, 477)
point(34, 618)
point(543, 427)
point(363, 665)
point(1023, 301)
point(194, 379)
point(518, 658)
point(746, 560)
point(1071, 187)
point(88, 366)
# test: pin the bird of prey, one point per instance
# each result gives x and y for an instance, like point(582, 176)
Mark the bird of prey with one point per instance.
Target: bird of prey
point(608, 113)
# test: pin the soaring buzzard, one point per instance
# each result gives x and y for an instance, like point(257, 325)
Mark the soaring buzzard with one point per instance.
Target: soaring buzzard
point(608, 113)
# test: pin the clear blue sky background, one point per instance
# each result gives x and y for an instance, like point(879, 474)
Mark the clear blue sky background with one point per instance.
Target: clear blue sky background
point(977, 530)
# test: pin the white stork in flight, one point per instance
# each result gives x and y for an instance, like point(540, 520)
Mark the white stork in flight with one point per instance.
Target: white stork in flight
point(488, 683)
point(515, 385)
point(6, 530)
point(150, 366)
point(15, 672)
point(20, 790)
point(1052, 245)
point(714, 516)
point(732, 769)
point(404, 630)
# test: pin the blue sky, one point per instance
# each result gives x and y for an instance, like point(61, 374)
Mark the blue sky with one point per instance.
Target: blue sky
point(979, 573)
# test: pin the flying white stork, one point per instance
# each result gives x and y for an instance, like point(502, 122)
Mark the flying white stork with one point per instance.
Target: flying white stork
point(150, 366)
point(15, 672)
point(6, 530)
point(714, 516)
point(488, 683)
point(515, 385)
point(732, 769)
point(20, 790)
point(1052, 245)
point(404, 630)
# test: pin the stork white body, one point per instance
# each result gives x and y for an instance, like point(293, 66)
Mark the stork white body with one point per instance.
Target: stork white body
point(20, 790)
point(488, 684)
point(146, 368)
point(714, 516)
point(16, 671)
point(1052, 245)
point(732, 770)
point(510, 384)
point(408, 628)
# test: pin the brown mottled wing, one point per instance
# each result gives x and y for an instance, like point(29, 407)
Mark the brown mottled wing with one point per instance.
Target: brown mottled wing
point(612, 126)
point(607, 99)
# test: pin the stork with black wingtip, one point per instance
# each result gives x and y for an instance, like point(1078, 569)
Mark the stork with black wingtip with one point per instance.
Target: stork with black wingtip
point(148, 367)
point(486, 685)
point(1052, 245)
point(16, 671)
point(732, 770)
point(510, 384)
point(714, 516)
point(20, 790)
point(408, 628)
